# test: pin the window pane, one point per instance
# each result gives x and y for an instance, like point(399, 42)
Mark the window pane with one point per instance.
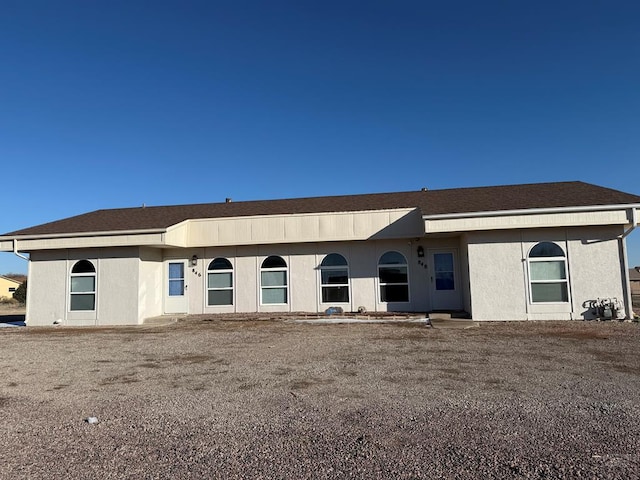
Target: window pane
point(83, 284)
point(393, 274)
point(274, 262)
point(220, 280)
point(271, 279)
point(549, 292)
point(274, 295)
point(548, 270)
point(393, 258)
point(335, 294)
point(83, 302)
point(83, 266)
point(220, 264)
point(176, 270)
point(546, 249)
point(220, 297)
point(176, 288)
point(443, 262)
point(334, 277)
point(334, 260)
point(394, 293)
point(445, 281)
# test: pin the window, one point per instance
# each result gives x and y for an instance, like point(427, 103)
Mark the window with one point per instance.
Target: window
point(443, 270)
point(273, 281)
point(548, 273)
point(334, 279)
point(83, 286)
point(220, 282)
point(12, 289)
point(176, 279)
point(394, 278)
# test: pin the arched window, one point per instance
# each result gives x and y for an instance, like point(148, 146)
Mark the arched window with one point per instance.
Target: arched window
point(393, 274)
point(273, 281)
point(548, 273)
point(334, 279)
point(83, 286)
point(220, 282)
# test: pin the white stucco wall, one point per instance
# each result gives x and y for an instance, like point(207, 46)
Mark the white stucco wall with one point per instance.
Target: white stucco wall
point(596, 267)
point(47, 288)
point(150, 284)
point(499, 282)
point(116, 287)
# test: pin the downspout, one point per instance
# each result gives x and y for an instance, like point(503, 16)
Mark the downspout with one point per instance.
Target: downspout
point(628, 304)
point(15, 250)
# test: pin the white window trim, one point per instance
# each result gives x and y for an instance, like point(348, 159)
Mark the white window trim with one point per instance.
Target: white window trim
point(548, 259)
point(93, 274)
point(330, 285)
point(232, 287)
point(380, 284)
point(275, 269)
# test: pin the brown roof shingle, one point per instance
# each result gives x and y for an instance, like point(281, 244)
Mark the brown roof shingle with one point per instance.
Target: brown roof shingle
point(430, 202)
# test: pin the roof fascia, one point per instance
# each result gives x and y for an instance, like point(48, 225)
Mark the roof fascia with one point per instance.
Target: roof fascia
point(531, 211)
point(106, 233)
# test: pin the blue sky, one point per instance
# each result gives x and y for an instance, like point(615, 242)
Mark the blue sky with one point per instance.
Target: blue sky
point(115, 103)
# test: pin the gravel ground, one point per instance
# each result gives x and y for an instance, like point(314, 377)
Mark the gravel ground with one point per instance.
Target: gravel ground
point(270, 399)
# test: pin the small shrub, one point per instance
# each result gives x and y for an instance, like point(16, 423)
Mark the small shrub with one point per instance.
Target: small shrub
point(8, 301)
point(20, 295)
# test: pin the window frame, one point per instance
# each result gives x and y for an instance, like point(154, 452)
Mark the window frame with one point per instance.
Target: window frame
point(94, 293)
point(284, 287)
point(382, 285)
point(334, 286)
point(208, 288)
point(550, 281)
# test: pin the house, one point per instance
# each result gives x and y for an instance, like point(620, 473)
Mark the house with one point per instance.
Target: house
point(8, 286)
point(634, 279)
point(515, 252)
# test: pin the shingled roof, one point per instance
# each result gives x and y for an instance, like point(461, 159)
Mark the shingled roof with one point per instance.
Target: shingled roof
point(430, 202)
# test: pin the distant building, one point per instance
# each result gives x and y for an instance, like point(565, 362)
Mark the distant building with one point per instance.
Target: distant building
point(8, 286)
point(634, 280)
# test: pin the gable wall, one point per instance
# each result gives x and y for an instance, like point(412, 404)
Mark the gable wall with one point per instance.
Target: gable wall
point(5, 285)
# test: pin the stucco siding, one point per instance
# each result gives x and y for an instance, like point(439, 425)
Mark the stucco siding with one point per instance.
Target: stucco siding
point(594, 257)
point(118, 280)
point(499, 272)
point(496, 276)
point(47, 288)
point(150, 284)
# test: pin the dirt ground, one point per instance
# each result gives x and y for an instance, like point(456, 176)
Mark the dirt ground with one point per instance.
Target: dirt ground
point(272, 399)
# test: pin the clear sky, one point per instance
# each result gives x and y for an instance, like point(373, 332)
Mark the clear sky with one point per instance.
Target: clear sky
point(107, 104)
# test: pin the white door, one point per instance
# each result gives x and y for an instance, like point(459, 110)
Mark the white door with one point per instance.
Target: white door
point(175, 289)
point(444, 281)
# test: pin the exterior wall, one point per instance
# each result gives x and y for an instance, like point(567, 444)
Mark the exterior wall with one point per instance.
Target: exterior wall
point(304, 278)
point(6, 284)
point(47, 288)
point(150, 285)
point(116, 287)
point(526, 221)
point(596, 267)
point(499, 281)
point(295, 229)
point(496, 276)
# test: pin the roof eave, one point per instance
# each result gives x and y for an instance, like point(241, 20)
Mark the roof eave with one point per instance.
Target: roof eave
point(530, 211)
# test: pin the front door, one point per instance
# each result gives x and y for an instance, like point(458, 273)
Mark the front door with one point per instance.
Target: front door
point(175, 289)
point(444, 281)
